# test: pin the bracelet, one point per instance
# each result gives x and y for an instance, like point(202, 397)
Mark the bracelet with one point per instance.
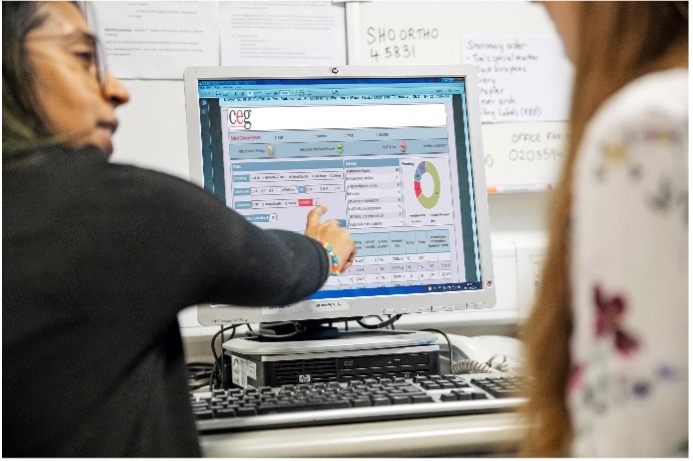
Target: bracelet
point(334, 270)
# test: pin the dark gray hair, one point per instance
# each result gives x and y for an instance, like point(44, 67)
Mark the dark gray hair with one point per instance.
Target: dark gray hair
point(22, 127)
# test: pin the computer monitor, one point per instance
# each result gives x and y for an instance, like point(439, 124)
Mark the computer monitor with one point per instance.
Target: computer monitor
point(395, 154)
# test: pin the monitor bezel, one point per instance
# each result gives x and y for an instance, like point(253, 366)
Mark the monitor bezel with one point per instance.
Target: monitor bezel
point(439, 302)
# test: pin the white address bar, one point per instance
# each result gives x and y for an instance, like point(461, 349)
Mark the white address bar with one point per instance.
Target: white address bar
point(326, 117)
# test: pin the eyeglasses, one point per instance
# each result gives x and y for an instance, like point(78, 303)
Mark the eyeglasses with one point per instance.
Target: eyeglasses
point(93, 57)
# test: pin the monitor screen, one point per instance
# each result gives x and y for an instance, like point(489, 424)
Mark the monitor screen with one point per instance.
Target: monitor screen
point(395, 155)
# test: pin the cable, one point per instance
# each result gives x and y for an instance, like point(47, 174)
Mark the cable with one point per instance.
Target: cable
point(264, 333)
point(216, 335)
point(198, 374)
point(194, 365)
point(503, 365)
point(471, 366)
point(382, 323)
point(364, 325)
point(213, 375)
point(218, 368)
point(267, 334)
point(223, 362)
point(447, 338)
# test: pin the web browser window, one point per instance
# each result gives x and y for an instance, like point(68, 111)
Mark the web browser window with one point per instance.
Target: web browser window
point(389, 158)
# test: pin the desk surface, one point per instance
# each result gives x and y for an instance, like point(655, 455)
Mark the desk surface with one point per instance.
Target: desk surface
point(466, 435)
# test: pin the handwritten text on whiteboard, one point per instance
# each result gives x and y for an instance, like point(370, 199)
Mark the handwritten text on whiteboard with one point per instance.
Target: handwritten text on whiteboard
point(387, 44)
point(521, 79)
point(524, 154)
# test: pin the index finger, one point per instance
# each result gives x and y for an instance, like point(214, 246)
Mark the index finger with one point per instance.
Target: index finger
point(315, 215)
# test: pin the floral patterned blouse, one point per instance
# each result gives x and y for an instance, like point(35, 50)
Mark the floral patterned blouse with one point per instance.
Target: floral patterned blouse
point(628, 391)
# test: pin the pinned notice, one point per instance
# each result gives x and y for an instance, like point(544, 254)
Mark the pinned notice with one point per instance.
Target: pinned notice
point(156, 40)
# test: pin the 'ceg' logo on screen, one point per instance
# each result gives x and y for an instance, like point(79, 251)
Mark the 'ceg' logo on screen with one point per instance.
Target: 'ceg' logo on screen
point(239, 118)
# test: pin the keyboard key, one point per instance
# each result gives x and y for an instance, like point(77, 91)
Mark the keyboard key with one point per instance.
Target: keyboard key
point(399, 399)
point(382, 400)
point(421, 398)
point(428, 385)
point(246, 411)
point(311, 406)
point(463, 395)
point(448, 397)
point(203, 414)
point(504, 393)
point(225, 413)
point(361, 402)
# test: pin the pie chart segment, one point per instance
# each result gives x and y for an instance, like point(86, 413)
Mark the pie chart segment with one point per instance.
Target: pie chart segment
point(427, 168)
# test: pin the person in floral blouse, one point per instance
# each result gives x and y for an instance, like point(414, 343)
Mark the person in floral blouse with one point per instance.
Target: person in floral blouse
point(607, 340)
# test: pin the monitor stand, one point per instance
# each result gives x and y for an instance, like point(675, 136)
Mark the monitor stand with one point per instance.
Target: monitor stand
point(297, 330)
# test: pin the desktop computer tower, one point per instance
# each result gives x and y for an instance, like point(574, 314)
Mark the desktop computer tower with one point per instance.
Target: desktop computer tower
point(357, 356)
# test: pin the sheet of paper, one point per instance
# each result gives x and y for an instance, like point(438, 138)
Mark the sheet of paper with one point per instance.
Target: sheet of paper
point(521, 78)
point(156, 40)
point(282, 33)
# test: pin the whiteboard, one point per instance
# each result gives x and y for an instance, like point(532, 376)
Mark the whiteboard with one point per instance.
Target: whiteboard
point(520, 156)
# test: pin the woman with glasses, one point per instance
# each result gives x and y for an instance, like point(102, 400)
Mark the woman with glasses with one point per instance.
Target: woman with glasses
point(608, 337)
point(99, 258)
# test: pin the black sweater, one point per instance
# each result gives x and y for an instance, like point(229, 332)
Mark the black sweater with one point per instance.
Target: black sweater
point(97, 261)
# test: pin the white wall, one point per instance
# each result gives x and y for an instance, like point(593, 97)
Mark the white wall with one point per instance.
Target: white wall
point(152, 131)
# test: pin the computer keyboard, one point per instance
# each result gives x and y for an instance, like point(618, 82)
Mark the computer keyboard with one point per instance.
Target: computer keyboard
point(355, 401)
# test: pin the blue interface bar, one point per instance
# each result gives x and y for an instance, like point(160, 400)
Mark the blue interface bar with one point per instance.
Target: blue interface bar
point(328, 87)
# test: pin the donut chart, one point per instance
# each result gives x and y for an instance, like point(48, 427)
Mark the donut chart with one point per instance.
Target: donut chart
point(427, 201)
